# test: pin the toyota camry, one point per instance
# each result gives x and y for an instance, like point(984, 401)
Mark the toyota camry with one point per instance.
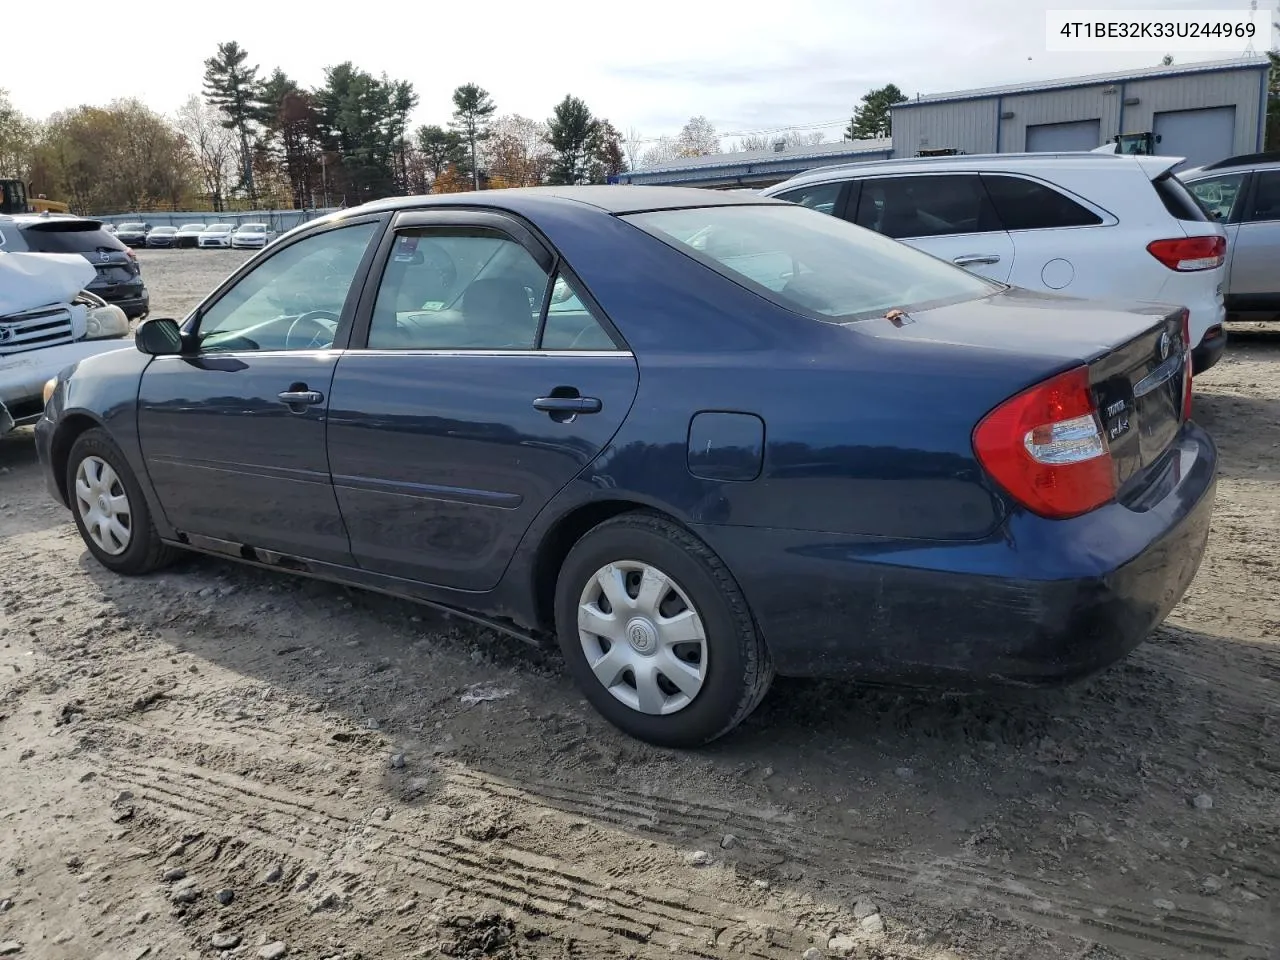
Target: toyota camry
point(695, 438)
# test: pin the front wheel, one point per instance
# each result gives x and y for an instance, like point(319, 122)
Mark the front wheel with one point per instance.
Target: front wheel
point(657, 634)
point(109, 508)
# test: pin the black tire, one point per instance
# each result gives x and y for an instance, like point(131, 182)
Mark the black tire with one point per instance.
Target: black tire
point(145, 552)
point(738, 666)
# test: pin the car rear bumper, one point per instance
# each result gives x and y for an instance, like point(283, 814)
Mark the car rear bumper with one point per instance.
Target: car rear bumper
point(1210, 350)
point(1044, 602)
point(133, 304)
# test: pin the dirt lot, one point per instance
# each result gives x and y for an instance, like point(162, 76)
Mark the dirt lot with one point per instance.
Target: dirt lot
point(216, 757)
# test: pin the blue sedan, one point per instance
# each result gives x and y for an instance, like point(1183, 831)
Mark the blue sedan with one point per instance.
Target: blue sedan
point(697, 438)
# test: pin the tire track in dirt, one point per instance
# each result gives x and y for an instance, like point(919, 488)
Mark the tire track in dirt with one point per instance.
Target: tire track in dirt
point(530, 881)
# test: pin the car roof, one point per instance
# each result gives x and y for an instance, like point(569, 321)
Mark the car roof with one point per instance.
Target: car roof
point(1241, 164)
point(1075, 160)
point(611, 199)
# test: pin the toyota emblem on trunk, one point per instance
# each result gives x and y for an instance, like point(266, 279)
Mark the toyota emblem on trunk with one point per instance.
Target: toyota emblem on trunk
point(1165, 344)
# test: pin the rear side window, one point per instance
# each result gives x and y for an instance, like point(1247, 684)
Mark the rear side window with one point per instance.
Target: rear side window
point(1177, 199)
point(1266, 196)
point(928, 206)
point(821, 196)
point(70, 237)
point(1027, 205)
point(1218, 195)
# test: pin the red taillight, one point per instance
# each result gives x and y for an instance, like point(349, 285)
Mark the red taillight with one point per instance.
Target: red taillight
point(1188, 254)
point(1046, 448)
point(1186, 365)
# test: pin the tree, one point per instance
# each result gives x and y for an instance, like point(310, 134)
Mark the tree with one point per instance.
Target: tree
point(698, 138)
point(634, 147)
point(1272, 140)
point(212, 145)
point(664, 151)
point(517, 153)
point(291, 136)
point(574, 136)
point(472, 108)
point(232, 87)
point(401, 101)
point(791, 138)
point(610, 159)
point(359, 118)
point(17, 140)
point(873, 119)
point(440, 149)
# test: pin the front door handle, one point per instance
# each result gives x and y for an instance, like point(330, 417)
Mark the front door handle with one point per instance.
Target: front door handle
point(301, 397)
point(970, 259)
point(567, 404)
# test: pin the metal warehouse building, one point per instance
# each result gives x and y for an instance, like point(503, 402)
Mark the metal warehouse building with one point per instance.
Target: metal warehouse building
point(756, 168)
point(1201, 111)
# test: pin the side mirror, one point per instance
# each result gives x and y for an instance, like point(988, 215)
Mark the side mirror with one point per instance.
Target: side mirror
point(160, 337)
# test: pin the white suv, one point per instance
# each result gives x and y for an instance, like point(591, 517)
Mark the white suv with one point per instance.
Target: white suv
point(1097, 226)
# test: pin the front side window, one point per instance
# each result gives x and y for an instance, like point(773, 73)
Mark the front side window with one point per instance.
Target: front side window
point(1218, 195)
point(1266, 196)
point(458, 288)
point(821, 196)
point(925, 206)
point(819, 266)
point(294, 299)
point(1023, 204)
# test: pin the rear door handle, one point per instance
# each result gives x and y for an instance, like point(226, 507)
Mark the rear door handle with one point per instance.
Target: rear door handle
point(969, 259)
point(292, 397)
point(567, 404)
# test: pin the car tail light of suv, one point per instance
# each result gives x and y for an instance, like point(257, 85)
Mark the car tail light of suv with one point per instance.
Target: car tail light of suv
point(1188, 254)
point(1046, 448)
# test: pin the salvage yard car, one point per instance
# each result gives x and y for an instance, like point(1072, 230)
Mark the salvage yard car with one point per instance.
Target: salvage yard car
point(189, 233)
point(799, 447)
point(163, 237)
point(216, 235)
point(1078, 224)
point(47, 321)
point(1243, 193)
point(252, 236)
point(118, 277)
point(133, 234)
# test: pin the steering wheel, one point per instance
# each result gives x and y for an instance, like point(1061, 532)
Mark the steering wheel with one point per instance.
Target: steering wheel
point(321, 335)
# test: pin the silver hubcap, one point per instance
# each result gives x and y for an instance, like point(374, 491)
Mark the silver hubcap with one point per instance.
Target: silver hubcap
point(103, 506)
point(642, 637)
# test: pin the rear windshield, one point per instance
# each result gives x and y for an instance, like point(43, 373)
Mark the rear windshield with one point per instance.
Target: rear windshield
point(811, 263)
point(70, 236)
point(1177, 199)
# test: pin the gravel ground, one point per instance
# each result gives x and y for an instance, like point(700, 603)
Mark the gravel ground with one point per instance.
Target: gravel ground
point(217, 761)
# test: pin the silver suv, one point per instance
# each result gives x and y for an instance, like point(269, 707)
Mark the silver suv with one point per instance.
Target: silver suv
point(1244, 194)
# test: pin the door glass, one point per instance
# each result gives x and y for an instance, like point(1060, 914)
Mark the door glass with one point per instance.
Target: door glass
point(570, 325)
point(1218, 195)
point(821, 196)
point(293, 300)
point(925, 206)
point(1266, 196)
point(458, 289)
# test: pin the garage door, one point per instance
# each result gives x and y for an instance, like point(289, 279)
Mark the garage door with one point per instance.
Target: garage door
point(1202, 136)
point(1062, 137)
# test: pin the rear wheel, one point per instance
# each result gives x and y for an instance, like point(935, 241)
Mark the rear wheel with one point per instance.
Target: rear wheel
point(109, 508)
point(657, 633)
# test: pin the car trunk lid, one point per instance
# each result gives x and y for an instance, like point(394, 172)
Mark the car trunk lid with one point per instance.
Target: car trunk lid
point(1134, 353)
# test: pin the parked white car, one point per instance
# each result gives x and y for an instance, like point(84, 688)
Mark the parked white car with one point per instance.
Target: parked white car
point(1090, 225)
point(48, 322)
point(252, 236)
point(214, 236)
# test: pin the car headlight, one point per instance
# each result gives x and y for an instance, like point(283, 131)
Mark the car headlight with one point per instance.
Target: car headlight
point(50, 385)
point(105, 322)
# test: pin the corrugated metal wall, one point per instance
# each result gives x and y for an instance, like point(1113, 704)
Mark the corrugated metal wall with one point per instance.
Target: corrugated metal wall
point(973, 125)
point(968, 125)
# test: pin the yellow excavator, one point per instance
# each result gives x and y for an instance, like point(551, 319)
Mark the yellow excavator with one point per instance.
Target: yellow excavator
point(14, 199)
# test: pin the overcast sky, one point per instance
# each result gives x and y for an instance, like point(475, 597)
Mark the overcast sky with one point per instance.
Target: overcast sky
point(644, 64)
